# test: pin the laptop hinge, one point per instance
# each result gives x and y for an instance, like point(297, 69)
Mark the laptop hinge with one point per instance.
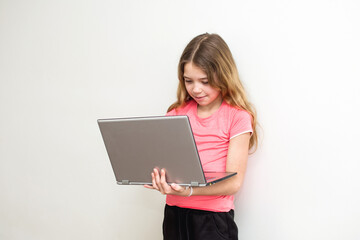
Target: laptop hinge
point(125, 182)
point(194, 184)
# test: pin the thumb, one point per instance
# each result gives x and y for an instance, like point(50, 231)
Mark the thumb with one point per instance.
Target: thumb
point(176, 187)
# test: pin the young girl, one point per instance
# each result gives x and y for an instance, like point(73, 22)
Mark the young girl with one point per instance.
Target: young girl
point(224, 127)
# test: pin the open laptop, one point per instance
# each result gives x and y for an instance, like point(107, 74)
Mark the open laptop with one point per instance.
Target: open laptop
point(138, 145)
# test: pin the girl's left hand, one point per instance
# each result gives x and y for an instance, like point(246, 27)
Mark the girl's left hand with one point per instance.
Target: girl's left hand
point(159, 183)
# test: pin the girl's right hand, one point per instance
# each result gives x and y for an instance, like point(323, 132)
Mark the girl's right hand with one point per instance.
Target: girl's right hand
point(159, 183)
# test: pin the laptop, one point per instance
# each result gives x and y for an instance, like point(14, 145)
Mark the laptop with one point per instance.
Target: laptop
point(136, 146)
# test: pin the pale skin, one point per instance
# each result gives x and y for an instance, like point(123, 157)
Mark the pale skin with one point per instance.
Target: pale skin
point(209, 100)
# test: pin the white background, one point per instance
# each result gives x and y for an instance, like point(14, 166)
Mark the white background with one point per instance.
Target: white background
point(64, 64)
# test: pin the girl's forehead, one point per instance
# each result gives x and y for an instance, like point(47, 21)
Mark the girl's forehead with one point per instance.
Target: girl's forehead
point(191, 69)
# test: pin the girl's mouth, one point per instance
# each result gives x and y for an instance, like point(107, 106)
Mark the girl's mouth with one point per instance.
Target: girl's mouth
point(199, 98)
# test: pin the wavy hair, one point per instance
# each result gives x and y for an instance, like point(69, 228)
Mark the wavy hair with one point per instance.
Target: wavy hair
point(210, 53)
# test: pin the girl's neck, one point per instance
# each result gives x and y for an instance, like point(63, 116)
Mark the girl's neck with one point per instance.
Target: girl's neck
point(208, 110)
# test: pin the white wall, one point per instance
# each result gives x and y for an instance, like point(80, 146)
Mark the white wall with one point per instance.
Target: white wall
point(63, 64)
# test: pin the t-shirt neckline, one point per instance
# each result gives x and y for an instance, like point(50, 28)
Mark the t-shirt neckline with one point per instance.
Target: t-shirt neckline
point(209, 117)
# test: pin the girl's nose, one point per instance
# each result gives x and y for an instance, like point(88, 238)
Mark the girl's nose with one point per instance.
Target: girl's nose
point(197, 89)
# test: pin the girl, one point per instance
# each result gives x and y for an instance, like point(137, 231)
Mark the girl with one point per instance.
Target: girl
point(224, 127)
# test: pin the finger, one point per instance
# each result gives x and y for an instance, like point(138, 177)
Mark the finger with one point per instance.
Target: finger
point(155, 186)
point(177, 187)
point(163, 177)
point(164, 185)
point(149, 186)
point(158, 181)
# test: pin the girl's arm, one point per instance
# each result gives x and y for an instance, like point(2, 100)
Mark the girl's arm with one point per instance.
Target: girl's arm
point(236, 162)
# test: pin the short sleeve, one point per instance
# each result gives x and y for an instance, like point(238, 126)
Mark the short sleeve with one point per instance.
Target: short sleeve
point(171, 113)
point(241, 123)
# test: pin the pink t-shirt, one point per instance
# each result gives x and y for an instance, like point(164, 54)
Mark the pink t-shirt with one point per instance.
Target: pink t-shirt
point(212, 136)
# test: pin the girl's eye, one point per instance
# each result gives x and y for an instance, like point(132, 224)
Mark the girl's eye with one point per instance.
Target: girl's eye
point(205, 82)
point(188, 81)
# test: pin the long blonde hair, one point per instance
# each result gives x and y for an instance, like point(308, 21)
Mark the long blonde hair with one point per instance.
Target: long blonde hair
point(211, 53)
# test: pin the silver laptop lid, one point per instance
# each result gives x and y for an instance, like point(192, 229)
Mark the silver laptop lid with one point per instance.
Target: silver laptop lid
point(137, 145)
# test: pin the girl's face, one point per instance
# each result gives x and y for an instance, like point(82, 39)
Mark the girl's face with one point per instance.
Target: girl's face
point(198, 87)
